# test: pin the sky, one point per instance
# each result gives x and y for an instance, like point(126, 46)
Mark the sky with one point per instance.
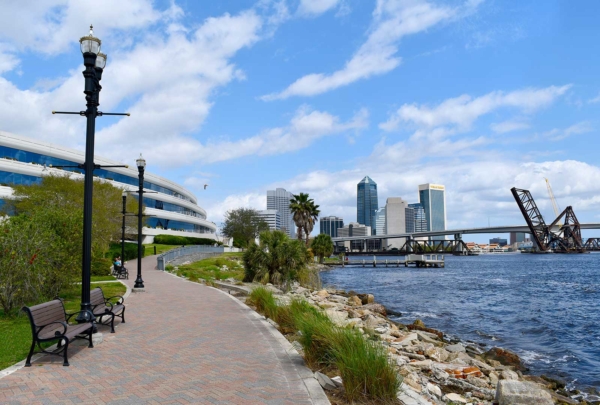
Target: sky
point(313, 95)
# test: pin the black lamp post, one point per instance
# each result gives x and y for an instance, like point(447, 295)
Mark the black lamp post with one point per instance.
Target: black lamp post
point(94, 62)
point(123, 231)
point(141, 164)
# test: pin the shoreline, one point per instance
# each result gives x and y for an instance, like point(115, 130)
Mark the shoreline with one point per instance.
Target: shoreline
point(562, 391)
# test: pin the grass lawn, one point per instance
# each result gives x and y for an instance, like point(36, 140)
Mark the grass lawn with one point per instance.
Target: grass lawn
point(103, 278)
point(15, 332)
point(159, 248)
point(220, 267)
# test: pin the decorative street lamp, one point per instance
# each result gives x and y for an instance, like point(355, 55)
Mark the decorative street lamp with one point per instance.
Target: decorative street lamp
point(141, 165)
point(94, 62)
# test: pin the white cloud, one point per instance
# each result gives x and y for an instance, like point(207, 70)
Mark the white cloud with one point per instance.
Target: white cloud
point(575, 129)
point(304, 129)
point(508, 126)
point(462, 111)
point(392, 20)
point(594, 100)
point(316, 7)
point(249, 200)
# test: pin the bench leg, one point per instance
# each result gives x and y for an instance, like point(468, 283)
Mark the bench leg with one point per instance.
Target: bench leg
point(90, 336)
point(123, 316)
point(28, 362)
point(112, 323)
point(66, 361)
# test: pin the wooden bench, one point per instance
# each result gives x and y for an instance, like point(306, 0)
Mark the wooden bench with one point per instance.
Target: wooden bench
point(102, 307)
point(120, 272)
point(50, 322)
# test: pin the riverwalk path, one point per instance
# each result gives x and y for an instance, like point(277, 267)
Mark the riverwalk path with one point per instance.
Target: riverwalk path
point(182, 343)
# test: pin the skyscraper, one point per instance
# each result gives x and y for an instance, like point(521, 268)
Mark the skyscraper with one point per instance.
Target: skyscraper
point(279, 200)
point(380, 216)
point(433, 199)
point(272, 218)
point(395, 221)
point(330, 225)
point(418, 223)
point(366, 202)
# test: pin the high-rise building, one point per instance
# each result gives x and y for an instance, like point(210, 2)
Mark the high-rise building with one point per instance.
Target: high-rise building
point(279, 200)
point(330, 225)
point(366, 202)
point(419, 222)
point(433, 199)
point(271, 217)
point(395, 221)
point(356, 229)
point(499, 241)
point(380, 216)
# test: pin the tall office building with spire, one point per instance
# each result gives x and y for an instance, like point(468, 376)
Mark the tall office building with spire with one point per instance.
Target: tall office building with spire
point(433, 199)
point(367, 203)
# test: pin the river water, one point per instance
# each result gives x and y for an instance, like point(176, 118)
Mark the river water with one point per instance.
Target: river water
point(546, 308)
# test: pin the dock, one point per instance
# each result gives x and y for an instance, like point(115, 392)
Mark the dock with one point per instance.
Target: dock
point(431, 260)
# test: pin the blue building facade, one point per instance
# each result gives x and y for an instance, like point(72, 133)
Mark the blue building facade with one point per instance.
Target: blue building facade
point(433, 199)
point(367, 203)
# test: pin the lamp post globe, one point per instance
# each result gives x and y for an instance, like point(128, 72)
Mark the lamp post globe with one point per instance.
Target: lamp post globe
point(141, 165)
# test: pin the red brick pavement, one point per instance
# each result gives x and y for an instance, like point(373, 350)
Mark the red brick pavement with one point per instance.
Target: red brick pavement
point(182, 343)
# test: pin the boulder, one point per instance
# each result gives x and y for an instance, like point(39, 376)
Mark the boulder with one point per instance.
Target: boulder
point(408, 396)
point(337, 317)
point(419, 322)
point(354, 301)
point(455, 348)
point(434, 390)
point(322, 294)
point(493, 376)
point(422, 328)
point(338, 381)
point(338, 298)
point(437, 354)
point(366, 298)
point(325, 381)
point(509, 375)
point(456, 398)
point(373, 322)
point(406, 340)
point(377, 308)
point(505, 357)
point(510, 392)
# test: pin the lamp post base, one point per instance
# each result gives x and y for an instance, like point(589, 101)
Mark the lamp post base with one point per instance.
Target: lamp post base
point(139, 283)
point(137, 290)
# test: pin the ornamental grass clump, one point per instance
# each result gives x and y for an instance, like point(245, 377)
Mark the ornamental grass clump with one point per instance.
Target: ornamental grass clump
point(365, 368)
point(264, 301)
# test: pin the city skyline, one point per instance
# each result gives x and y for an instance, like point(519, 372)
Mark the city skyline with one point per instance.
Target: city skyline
point(222, 93)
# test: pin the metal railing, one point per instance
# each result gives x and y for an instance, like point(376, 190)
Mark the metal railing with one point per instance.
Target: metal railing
point(163, 259)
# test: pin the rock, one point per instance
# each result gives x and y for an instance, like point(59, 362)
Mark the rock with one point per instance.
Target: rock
point(419, 322)
point(465, 386)
point(354, 301)
point(413, 381)
point(509, 375)
point(322, 294)
point(493, 378)
point(408, 396)
point(505, 357)
point(338, 298)
point(455, 398)
point(465, 372)
point(423, 365)
point(338, 381)
point(427, 338)
point(337, 317)
point(434, 390)
point(372, 321)
point(521, 393)
point(377, 308)
point(430, 330)
point(439, 374)
point(456, 348)
point(556, 383)
point(478, 382)
point(366, 298)
point(325, 381)
point(406, 340)
point(437, 354)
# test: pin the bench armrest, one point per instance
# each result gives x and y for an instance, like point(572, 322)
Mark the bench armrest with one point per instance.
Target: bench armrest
point(57, 333)
point(68, 316)
point(116, 296)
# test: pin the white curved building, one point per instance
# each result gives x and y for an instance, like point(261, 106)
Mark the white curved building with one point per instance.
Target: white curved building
point(175, 209)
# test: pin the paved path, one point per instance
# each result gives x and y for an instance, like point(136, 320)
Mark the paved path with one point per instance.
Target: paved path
point(182, 343)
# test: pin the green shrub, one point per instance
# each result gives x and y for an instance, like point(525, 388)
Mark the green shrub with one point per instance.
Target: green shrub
point(131, 251)
point(101, 267)
point(169, 267)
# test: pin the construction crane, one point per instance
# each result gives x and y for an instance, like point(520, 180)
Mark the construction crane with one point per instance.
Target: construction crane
point(553, 200)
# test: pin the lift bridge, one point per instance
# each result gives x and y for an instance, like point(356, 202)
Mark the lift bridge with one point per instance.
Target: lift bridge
point(563, 235)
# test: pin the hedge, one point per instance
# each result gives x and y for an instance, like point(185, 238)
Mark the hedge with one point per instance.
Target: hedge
point(182, 240)
point(131, 251)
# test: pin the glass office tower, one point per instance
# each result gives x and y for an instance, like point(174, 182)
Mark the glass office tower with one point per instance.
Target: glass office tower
point(433, 199)
point(419, 222)
point(367, 203)
point(330, 225)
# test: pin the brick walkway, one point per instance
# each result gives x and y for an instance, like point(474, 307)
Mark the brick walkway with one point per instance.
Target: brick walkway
point(182, 343)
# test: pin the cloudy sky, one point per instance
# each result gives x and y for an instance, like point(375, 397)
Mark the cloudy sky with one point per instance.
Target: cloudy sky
point(312, 95)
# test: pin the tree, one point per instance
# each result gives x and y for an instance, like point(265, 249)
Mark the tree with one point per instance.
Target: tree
point(305, 214)
point(243, 225)
point(57, 203)
point(322, 246)
point(276, 259)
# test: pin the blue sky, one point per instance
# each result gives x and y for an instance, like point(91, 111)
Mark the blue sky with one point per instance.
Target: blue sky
point(312, 95)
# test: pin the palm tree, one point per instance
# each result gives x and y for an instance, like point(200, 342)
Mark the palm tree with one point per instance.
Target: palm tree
point(305, 214)
point(322, 246)
point(275, 259)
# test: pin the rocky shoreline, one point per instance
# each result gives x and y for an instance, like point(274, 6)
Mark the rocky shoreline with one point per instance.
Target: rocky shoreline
point(436, 370)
